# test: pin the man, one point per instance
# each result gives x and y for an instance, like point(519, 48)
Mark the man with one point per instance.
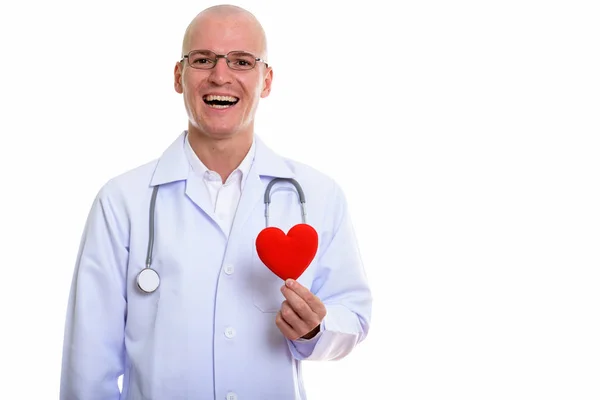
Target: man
point(216, 323)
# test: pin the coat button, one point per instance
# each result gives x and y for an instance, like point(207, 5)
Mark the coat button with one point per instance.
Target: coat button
point(229, 332)
point(229, 269)
point(231, 396)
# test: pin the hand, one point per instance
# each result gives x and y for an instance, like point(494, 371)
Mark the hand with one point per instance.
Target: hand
point(301, 313)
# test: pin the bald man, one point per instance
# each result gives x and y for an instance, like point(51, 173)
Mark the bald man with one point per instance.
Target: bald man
point(170, 291)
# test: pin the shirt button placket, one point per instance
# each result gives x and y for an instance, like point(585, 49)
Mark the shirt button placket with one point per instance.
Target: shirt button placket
point(229, 331)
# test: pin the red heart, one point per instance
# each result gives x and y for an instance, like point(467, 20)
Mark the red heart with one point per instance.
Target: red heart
point(289, 255)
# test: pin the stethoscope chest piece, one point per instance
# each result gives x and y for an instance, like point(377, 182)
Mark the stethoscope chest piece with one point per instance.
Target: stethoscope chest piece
point(148, 280)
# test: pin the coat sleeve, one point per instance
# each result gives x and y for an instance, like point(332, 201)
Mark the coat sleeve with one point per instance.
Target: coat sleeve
point(341, 284)
point(93, 349)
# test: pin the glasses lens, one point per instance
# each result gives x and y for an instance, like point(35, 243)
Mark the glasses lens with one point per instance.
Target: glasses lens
point(202, 59)
point(241, 60)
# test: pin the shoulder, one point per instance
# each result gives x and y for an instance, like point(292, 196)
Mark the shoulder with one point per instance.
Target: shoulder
point(316, 183)
point(304, 170)
point(325, 198)
point(313, 181)
point(129, 185)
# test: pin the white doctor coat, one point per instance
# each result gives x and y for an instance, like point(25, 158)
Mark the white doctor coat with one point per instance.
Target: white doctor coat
point(209, 331)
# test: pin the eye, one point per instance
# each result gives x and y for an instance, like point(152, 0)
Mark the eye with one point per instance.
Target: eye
point(202, 60)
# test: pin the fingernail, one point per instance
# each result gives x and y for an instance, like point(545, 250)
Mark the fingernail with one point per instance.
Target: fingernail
point(289, 282)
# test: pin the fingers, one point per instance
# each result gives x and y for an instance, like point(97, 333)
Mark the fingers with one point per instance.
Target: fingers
point(300, 290)
point(298, 304)
point(285, 328)
point(301, 313)
point(303, 301)
point(291, 317)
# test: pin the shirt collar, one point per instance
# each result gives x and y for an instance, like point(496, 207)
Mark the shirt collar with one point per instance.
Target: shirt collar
point(173, 164)
point(199, 168)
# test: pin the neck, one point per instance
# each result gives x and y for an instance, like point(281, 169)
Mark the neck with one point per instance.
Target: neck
point(220, 155)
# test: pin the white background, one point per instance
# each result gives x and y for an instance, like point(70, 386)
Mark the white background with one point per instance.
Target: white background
point(464, 133)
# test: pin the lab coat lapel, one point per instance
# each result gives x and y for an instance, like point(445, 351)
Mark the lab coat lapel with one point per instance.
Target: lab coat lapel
point(174, 166)
point(195, 189)
point(249, 199)
point(266, 165)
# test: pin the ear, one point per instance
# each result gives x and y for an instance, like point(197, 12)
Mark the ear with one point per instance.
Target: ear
point(177, 76)
point(267, 83)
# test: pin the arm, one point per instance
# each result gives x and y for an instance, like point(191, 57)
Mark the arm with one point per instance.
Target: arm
point(341, 285)
point(93, 349)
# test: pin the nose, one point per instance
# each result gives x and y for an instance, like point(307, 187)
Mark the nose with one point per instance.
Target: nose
point(220, 74)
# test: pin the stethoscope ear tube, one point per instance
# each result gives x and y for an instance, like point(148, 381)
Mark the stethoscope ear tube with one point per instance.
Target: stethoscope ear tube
point(267, 197)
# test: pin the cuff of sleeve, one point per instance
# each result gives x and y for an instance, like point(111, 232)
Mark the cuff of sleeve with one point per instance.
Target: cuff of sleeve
point(340, 332)
point(303, 348)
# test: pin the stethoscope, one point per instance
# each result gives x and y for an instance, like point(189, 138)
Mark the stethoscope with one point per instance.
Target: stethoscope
point(148, 279)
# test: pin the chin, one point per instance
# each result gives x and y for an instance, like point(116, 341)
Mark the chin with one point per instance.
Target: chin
point(221, 132)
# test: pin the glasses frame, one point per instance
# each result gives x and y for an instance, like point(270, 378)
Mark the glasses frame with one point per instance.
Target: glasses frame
point(224, 56)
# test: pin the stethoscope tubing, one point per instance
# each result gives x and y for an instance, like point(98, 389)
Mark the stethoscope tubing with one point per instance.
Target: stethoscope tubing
point(151, 231)
point(152, 212)
point(267, 197)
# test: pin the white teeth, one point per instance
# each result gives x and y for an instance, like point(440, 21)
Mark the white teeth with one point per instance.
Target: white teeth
point(208, 99)
point(212, 97)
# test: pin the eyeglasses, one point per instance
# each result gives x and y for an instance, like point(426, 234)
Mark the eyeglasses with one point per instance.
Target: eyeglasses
point(206, 59)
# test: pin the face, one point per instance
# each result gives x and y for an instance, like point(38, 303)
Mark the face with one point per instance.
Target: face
point(199, 87)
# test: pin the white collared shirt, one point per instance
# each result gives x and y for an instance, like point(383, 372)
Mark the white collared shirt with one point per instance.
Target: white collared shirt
point(224, 197)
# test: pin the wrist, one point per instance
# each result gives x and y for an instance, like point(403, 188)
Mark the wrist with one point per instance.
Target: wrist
point(312, 333)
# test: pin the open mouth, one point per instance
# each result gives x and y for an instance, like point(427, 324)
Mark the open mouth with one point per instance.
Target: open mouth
point(220, 101)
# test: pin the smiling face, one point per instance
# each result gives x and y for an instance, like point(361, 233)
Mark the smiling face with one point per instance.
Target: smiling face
point(222, 102)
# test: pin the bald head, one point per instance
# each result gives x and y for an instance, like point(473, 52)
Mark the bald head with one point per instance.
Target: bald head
point(226, 16)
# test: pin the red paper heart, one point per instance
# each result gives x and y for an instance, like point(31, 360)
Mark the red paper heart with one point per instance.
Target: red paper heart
point(289, 255)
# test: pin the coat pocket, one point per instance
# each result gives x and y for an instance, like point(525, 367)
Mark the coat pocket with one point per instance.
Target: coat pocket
point(266, 287)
